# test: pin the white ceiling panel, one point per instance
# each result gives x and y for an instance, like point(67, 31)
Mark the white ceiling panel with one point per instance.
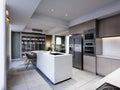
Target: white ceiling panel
point(71, 9)
point(45, 22)
point(21, 11)
point(57, 15)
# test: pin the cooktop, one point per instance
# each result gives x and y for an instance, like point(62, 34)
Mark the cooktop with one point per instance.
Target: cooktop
point(108, 86)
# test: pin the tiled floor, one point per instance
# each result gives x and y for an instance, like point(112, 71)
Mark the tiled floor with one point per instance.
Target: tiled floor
point(32, 80)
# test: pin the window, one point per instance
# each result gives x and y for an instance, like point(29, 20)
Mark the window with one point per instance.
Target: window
point(58, 41)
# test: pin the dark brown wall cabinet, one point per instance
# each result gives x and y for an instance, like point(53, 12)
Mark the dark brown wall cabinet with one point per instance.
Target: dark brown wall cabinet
point(80, 28)
point(109, 26)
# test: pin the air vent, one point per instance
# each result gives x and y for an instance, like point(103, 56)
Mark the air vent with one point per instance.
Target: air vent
point(37, 30)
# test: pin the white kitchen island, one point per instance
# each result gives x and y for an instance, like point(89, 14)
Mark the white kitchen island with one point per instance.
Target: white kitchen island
point(56, 67)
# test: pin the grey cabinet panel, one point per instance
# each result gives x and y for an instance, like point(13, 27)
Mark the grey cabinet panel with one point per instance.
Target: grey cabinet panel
point(89, 63)
point(107, 65)
point(109, 26)
point(103, 66)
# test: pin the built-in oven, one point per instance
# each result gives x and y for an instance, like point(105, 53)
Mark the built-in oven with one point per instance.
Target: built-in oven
point(89, 42)
point(89, 48)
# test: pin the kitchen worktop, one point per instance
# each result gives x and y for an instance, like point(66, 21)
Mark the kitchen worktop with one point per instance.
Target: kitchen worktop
point(109, 56)
point(51, 53)
point(113, 78)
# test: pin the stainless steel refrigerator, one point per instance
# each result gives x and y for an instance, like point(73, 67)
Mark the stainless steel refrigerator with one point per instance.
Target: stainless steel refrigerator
point(76, 49)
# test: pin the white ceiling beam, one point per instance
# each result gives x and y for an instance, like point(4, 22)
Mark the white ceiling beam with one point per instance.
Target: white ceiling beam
point(56, 30)
point(44, 22)
point(21, 11)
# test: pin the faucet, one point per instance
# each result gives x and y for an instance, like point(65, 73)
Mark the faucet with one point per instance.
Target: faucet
point(50, 51)
point(53, 46)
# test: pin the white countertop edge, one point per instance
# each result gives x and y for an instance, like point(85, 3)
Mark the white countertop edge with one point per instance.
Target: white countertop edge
point(48, 53)
point(112, 78)
point(107, 56)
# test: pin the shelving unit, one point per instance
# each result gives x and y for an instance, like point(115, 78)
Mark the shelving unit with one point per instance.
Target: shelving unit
point(32, 42)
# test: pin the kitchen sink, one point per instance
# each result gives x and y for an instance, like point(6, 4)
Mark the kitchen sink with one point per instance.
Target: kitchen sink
point(56, 54)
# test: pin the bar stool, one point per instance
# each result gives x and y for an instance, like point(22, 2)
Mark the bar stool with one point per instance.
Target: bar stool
point(30, 58)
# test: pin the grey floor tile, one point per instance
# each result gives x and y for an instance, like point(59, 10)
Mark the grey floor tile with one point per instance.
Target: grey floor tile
point(18, 87)
point(32, 80)
point(41, 87)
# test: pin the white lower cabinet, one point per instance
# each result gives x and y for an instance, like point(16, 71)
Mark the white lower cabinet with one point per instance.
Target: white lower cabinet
point(89, 63)
point(103, 66)
point(107, 65)
point(115, 64)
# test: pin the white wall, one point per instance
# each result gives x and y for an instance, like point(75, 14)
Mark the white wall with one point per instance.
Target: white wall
point(67, 44)
point(2, 46)
point(53, 42)
point(111, 46)
point(10, 44)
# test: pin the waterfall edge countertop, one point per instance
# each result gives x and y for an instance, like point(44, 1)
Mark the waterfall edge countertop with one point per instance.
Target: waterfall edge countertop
point(56, 67)
point(113, 78)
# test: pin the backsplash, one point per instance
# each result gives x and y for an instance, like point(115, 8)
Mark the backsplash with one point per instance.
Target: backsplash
point(111, 46)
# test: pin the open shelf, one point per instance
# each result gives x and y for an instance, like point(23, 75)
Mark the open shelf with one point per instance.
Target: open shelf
point(32, 42)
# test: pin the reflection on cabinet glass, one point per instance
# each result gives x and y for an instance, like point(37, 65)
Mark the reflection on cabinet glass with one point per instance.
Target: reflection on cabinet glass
point(32, 42)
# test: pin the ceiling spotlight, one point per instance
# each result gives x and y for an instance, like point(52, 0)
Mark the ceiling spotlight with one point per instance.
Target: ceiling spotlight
point(66, 14)
point(52, 10)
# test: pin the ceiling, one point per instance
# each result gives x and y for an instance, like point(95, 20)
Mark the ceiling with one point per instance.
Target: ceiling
point(73, 8)
point(53, 15)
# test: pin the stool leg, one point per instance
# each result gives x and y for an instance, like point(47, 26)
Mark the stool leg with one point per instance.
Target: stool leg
point(26, 61)
point(28, 64)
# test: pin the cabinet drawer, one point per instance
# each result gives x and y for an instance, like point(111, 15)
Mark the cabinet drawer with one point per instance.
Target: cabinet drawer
point(89, 63)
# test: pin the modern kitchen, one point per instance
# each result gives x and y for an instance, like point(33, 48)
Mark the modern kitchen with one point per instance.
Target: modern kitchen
point(61, 45)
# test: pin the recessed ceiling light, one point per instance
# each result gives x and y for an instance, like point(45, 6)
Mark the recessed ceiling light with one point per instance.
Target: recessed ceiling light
point(52, 10)
point(66, 14)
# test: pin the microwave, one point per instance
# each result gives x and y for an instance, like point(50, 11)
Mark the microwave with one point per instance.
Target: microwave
point(89, 35)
